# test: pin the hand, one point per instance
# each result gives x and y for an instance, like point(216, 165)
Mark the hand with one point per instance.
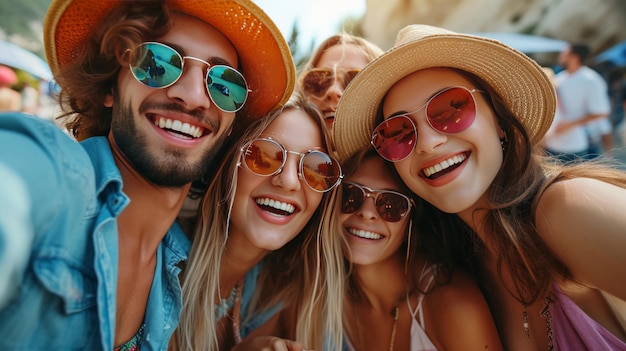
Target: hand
point(268, 343)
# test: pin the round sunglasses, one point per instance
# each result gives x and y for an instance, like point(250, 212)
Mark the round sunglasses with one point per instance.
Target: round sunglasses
point(391, 206)
point(317, 81)
point(159, 66)
point(450, 111)
point(267, 157)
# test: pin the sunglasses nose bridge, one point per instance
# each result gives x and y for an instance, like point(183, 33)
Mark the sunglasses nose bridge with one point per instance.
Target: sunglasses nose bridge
point(196, 59)
point(289, 168)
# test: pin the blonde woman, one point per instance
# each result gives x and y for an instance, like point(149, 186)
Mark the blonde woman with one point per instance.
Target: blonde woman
point(257, 249)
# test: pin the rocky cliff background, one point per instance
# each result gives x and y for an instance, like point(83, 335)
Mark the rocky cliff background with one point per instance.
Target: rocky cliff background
point(599, 23)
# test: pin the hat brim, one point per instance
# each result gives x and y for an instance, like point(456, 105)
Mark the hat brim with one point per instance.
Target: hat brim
point(519, 80)
point(266, 60)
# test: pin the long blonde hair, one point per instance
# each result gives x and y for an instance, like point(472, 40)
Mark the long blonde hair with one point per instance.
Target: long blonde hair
point(311, 274)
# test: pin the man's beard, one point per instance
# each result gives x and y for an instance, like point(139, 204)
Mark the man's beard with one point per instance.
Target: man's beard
point(167, 168)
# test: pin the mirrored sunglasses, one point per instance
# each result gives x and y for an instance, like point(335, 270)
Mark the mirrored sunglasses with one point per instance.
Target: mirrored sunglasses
point(159, 66)
point(267, 157)
point(391, 206)
point(450, 111)
point(317, 81)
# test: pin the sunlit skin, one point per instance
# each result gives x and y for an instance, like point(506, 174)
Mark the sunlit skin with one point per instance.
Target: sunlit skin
point(340, 56)
point(373, 174)
point(255, 229)
point(461, 189)
point(161, 154)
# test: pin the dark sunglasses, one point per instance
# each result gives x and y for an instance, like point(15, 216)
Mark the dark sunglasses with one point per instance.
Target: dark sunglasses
point(391, 206)
point(450, 111)
point(159, 66)
point(317, 81)
point(267, 157)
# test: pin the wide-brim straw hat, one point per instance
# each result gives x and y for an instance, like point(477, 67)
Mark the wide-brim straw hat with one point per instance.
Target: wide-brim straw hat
point(266, 61)
point(518, 79)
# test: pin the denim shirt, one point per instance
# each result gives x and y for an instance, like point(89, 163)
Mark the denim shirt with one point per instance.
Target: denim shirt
point(66, 292)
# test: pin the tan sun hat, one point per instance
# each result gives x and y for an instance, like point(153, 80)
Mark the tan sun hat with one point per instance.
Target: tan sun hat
point(518, 79)
point(266, 61)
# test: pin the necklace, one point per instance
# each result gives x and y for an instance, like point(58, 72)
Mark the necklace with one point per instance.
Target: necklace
point(545, 313)
point(236, 312)
point(394, 314)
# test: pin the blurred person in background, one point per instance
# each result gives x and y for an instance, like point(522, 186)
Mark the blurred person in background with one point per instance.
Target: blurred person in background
point(333, 64)
point(10, 99)
point(584, 108)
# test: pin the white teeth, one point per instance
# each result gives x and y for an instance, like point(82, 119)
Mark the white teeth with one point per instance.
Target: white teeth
point(179, 126)
point(428, 171)
point(364, 234)
point(283, 206)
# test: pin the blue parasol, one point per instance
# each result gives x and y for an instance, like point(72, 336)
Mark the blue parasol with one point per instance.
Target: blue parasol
point(20, 58)
point(615, 55)
point(527, 43)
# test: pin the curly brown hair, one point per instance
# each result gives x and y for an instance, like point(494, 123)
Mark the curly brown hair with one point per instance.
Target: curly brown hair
point(91, 77)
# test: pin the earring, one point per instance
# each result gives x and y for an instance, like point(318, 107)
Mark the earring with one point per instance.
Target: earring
point(504, 141)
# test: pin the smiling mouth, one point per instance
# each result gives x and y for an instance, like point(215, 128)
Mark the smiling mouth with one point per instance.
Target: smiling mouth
point(182, 129)
point(365, 234)
point(444, 167)
point(274, 206)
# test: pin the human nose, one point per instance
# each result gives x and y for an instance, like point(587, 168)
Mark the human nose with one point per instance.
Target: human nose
point(288, 178)
point(335, 91)
point(428, 139)
point(368, 208)
point(190, 89)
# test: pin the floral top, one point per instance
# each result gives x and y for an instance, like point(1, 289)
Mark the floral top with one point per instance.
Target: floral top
point(133, 344)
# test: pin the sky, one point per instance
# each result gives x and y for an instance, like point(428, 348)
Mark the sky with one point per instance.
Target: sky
point(317, 19)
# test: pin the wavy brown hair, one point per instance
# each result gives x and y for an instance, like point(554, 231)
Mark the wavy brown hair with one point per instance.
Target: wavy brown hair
point(512, 203)
point(92, 76)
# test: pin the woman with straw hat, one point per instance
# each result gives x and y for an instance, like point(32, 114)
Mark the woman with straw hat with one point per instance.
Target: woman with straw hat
point(459, 117)
point(102, 268)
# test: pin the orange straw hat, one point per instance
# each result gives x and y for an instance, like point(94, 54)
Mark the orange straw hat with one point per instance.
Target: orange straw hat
point(519, 81)
point(266, 61)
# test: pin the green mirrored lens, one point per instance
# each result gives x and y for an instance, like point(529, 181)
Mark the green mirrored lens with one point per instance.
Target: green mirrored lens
point(227, 87)
point(156, 65)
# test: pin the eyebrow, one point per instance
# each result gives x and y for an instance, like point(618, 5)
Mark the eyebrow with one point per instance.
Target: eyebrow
point(212, 60)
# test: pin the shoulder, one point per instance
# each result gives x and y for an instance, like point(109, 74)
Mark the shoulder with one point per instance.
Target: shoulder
point(460, 295)
point(582, 223)
point(577, 200)
point(458, 317)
